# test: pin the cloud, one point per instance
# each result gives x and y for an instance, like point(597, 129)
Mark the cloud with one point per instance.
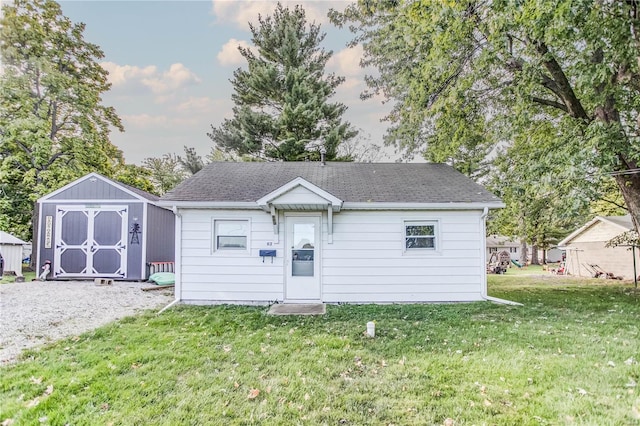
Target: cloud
point(240, 13)
point(230, 55)
point(347, 62)
point(176, 77)
point(119, 75)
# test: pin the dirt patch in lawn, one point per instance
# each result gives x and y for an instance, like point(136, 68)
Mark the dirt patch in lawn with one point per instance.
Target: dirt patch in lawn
point(35, 313)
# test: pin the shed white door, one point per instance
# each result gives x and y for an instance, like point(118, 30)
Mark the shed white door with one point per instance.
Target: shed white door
point(91, 242)
point(302, 258)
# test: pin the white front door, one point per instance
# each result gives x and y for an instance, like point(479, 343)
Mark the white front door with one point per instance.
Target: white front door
point(302, 258)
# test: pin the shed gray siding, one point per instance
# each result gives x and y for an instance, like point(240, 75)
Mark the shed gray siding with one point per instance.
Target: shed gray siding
point(89, 189)
point(160, 234)
point(134, 253)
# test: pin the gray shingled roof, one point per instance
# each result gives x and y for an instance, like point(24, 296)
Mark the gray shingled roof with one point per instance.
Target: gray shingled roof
point(624, 221)
point(351, 182)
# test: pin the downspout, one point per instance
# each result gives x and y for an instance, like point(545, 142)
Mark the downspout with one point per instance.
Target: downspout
point(483, 262)
point(177, 289)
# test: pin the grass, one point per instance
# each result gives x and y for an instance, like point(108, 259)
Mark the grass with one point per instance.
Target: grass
point(7, 279)
point(568, 356)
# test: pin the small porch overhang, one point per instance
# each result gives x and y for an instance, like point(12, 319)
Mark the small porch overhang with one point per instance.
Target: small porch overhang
point(300, 195)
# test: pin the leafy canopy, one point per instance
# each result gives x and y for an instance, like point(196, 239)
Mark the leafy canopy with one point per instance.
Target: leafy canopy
point(468, 75)
point(53, 126)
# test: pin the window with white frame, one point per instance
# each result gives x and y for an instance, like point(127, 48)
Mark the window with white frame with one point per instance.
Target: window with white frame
point(230, 235)
point(420, 236)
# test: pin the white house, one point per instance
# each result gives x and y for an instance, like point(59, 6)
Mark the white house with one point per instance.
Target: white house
point(498, 243)
point(302, 232)
point(11, 252)
point(586, 247)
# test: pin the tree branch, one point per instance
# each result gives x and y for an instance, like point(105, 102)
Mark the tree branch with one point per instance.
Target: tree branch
point(564, 89)
point(551, 103)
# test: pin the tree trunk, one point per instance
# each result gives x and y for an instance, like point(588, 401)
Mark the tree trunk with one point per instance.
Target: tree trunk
point(523, 252)
point(629, 185)
point(534, 255)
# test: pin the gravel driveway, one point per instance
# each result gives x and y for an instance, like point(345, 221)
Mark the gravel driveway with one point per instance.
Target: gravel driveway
point(35, 313)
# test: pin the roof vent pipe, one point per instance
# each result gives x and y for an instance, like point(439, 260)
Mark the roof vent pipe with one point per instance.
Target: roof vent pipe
point(323, 151)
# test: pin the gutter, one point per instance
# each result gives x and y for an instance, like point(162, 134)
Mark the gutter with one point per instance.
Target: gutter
point(483, 294)
point(177, 289)
point(168, 306)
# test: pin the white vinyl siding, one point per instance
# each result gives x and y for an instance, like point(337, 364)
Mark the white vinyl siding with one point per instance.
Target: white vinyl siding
point(234, 276)
point(366, 261)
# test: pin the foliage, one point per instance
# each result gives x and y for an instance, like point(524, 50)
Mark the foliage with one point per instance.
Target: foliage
point(546, 197)
point(166, 172)
point(191, 162)
point(136, 176)
point(629, 239)
point(494, 68)
point(569, 355)
point(53, 127)
point(282, 109)
point(610, 201)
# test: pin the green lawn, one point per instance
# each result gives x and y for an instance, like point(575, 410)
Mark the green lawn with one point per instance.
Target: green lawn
point(568, 356)
point(28, 276)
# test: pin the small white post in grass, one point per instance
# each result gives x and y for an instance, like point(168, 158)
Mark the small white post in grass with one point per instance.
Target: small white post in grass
point(371, 329)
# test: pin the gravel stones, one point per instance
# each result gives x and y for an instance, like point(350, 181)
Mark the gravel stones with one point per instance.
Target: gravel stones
point(35, 313)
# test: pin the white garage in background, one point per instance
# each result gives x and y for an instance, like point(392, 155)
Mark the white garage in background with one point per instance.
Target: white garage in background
point(11, 251)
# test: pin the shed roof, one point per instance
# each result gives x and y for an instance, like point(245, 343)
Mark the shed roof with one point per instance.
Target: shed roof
point(501, 241)
point(623, 222)
point(134, 192)
point(350, 182)
point(6, 238)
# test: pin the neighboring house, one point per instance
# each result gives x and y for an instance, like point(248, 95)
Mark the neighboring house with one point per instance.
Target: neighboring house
point(298, 232)
point(498, 244)
point(586, 247)
point(11, 253)
point(97, 227)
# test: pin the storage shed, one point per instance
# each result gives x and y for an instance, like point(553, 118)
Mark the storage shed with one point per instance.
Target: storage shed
point(11, 253)
point(586, 249)
point(97, 227)
point(307, 232)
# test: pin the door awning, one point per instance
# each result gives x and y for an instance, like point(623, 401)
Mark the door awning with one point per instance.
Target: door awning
point(300, 195)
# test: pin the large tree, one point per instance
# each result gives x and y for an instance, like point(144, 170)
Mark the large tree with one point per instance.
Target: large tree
point(574, 63)
point(53, 126)
point(544, 201)
point(282, 109)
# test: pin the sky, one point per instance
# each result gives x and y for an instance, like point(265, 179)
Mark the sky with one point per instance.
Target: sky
point(170, 65)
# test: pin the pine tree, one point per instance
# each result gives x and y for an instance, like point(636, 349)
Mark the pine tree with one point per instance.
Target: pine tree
point(281, 102)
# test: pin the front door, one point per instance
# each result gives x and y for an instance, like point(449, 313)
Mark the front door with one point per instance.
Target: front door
point(91, 242)
point(303, 258)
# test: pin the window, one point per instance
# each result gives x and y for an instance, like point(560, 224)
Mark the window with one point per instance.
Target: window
point(419, 236)
point(230, 235)
point(513, 249)
point(493, 249)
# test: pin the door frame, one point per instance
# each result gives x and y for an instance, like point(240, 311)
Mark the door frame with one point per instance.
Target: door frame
point(317, 255)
